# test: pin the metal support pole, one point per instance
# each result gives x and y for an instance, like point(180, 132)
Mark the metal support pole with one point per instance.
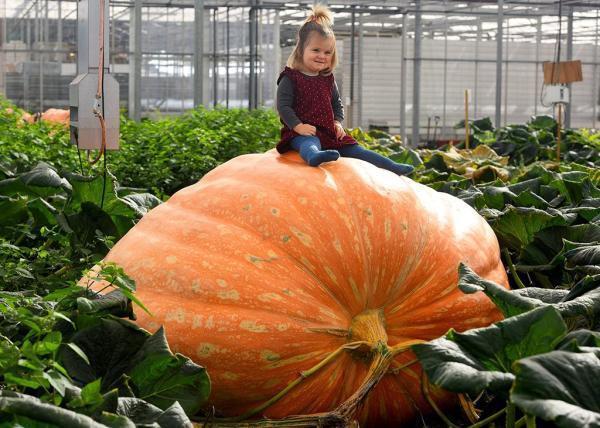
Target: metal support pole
point(505, 75)
point(227, 58)
point(445, 76)
point(3, 42)
point(26, 104)
point(352, 61)
point(41, 46)
point(135, 63)
point(215, 63)
point(595, 76)
point(476, 78)
point(258, 64)
point(403, 83)
point(538, 42)
point(499, 59)
point(276, 48)
point(359, 110)
point(198, 52)
point(416, 76)
point(568, 108)
point(252, 102)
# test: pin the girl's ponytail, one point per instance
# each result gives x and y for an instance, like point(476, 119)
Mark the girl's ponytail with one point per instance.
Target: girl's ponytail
point(321, 15)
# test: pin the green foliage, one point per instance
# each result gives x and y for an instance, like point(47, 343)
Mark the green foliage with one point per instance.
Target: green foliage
point(86, 362)
point(536, 140)
point(561, 387)
point(161, 156)
point(66, 354)
point(53, 226)
point(482, 358)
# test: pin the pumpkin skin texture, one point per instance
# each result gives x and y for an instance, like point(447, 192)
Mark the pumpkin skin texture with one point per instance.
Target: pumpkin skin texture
point(260, 271)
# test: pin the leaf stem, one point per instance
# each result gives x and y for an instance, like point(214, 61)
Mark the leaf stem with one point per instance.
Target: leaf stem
point(520, 422)
point(62, 270)
point(530, 420)
point(510, 415)
point(425, 390)
point(488, 420)
point(512, 269)
point(303, 375)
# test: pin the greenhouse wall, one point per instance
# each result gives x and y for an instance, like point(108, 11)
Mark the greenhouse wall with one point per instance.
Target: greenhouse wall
point(38, 62)
point(442, 96)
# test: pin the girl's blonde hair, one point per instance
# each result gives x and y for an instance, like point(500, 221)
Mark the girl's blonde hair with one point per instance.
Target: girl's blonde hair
point(320, 19)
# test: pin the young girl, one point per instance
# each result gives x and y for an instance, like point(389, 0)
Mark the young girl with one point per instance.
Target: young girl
point(309, 103)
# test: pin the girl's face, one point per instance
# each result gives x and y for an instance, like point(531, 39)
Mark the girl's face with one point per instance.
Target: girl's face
point(317, 53)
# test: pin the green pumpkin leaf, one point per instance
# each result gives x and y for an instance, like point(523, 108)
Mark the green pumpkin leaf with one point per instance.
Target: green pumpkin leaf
point(517, 226)
point(582, 300)
point(13, 210)
point(126, 356)
point(482, 358)
point(9, 353)
point(561, 387)
point(508, 302)
point(13, 403)
point(42, 180)
point(162, 378)
point(143, 413)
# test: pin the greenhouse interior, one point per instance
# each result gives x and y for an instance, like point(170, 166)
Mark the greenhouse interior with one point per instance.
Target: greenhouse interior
point(334, 214)
point(403, 65)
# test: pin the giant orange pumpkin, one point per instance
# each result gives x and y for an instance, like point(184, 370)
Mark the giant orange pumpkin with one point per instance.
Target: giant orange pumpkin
point(268, 268)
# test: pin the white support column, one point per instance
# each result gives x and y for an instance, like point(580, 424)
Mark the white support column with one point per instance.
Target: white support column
point(2, 44)
point(445, 78)
point(276, 49)
point(505, 75)
point(538, 42)
point(403, 82)
point(135, 62)
point(476, 78)
point(499, 60)
point(569, 58)
point(359, 76)
point(416, 76)
point(198, 52)
point(595, 77)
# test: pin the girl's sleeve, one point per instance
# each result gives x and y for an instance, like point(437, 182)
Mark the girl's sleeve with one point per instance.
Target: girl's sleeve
point(285, 101)
point(336, 103)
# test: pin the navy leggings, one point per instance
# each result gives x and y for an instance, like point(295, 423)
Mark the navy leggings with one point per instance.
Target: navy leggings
point(309, 148)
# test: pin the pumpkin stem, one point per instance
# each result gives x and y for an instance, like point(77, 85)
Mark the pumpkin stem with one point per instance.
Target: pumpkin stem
point(303, 375)
point(369, 343)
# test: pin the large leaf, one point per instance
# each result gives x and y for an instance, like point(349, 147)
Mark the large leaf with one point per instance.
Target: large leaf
point(517, 226)
point(508, 302)
point(143, 413)
point(561, 387)
point(582, 300)
point(13, 210)
point(101, 192)
point(162, 378)
point(482, 358)
point(584, 258)
point(129, 358)
point(25, 405)
point(581, 340)
point(42, 180)
point(109, 344)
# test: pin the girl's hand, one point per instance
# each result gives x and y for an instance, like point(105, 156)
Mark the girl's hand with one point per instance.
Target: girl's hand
point(339, 130)
point(305, 129)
